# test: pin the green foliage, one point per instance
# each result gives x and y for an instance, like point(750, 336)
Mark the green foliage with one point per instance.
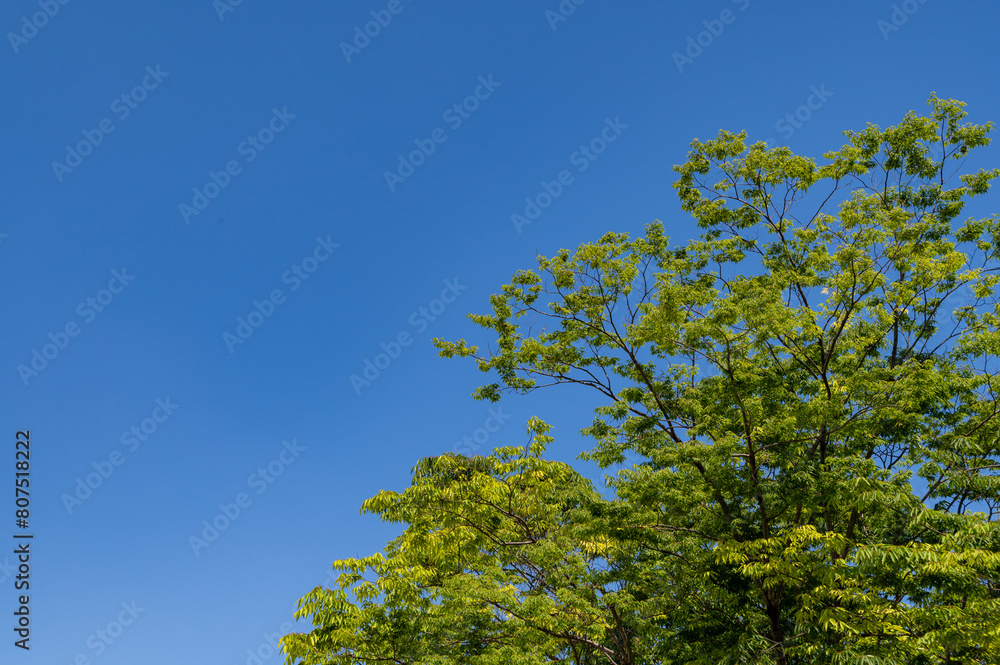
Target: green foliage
point(817, 435)
point(500, 563)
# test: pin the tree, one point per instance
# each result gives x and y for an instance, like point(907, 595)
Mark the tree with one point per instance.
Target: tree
point(813, 431)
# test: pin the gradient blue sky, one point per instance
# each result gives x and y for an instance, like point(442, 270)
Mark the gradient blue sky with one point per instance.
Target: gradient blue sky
point(322, 176)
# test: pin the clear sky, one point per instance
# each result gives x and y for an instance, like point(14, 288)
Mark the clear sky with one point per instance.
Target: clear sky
point(201, 242)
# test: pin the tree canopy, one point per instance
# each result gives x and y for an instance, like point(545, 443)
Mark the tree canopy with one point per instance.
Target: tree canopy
point(800, 410)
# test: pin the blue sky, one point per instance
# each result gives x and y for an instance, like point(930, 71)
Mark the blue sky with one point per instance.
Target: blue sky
point(178, 174)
